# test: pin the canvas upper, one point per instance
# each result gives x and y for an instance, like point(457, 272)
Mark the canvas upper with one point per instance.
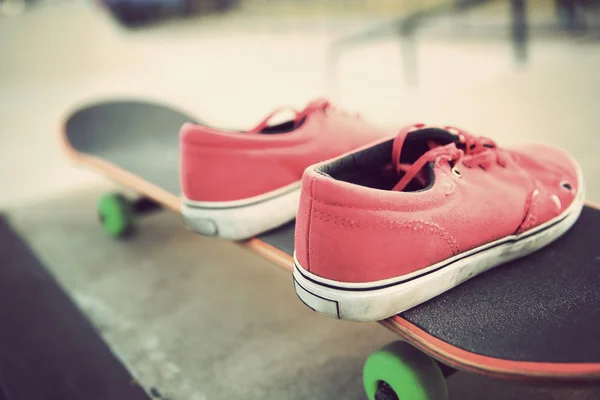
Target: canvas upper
point(423, 196)
point(219, 165)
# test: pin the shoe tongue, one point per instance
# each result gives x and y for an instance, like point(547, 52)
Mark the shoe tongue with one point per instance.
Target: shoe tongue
point(409, 147)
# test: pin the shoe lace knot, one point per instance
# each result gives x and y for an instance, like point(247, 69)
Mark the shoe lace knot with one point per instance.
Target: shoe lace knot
point(468, 150)
point(477, 150)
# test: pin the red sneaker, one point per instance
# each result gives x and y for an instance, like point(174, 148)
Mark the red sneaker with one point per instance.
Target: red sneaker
point(398, 222)
point(238, 184)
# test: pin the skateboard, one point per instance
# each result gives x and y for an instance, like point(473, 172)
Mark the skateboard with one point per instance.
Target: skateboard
point(536, 318)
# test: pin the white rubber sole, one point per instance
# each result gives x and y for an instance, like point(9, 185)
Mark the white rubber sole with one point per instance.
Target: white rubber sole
point(375, 301)
point(243, 219)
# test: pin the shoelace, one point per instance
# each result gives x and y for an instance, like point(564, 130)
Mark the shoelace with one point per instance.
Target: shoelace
point(477, 150)
point(322, 105)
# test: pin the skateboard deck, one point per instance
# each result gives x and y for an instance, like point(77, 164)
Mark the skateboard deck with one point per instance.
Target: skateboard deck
point(534, 318)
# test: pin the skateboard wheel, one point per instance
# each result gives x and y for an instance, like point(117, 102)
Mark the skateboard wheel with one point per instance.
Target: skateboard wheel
point(399, 371)
point(116, 214)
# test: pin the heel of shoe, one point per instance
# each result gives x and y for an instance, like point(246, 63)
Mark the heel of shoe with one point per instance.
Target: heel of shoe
point(200, 221)
point(240, 220)
point(315, 302)
point(336, 302)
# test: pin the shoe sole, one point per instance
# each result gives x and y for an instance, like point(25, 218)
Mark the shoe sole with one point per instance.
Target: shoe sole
point(380, 300)
point(243, 219)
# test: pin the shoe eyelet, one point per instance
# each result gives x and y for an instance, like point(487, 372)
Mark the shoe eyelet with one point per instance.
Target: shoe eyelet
point(456, 172)
point(566, 185)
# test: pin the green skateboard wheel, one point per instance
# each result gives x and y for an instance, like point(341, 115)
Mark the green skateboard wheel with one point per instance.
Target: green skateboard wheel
point(400, 372)
point(116, 214)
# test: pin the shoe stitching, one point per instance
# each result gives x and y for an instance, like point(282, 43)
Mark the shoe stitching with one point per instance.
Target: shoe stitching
point(355, 207)
point(414, 225)
point(308, 223)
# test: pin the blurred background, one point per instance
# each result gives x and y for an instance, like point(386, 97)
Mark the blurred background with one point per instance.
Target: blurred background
point(506, 69)
point(509, 70)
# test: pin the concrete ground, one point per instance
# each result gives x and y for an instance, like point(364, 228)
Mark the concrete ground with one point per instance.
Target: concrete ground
point(196, 318)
